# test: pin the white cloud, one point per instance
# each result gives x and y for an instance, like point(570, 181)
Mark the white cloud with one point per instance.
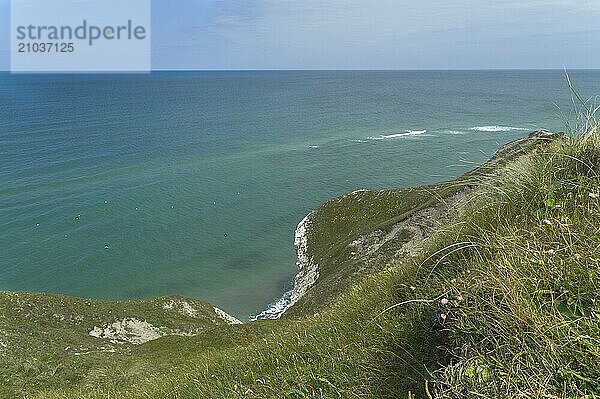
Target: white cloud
point(354, 31)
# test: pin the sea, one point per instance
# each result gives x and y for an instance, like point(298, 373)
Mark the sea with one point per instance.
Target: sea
point(134, 186)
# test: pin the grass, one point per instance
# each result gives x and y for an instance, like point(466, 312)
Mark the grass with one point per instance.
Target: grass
point(527, 322)
point(504, 302)
point(44, 339)
point(337, 223)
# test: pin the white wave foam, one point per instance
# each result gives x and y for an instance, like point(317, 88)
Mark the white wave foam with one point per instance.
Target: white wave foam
point(496, 128)
point(313, 146)
point(408, 133)
point(396, 135)
point(276, 309)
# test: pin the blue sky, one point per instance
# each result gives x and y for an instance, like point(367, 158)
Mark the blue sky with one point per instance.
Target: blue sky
point(368, 34)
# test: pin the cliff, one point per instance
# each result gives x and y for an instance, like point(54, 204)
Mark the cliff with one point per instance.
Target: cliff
point(485, 286)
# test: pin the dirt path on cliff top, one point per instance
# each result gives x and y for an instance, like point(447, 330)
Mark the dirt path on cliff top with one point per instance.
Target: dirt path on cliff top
point(412, 232)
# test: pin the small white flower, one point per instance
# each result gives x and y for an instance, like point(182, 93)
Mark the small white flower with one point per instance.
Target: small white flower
point(443, 301)
point(547, 222)
point(550, 252)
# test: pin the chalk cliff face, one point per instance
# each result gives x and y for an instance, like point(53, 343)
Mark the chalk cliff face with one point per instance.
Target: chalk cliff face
point(308, 273)
point(308, 270)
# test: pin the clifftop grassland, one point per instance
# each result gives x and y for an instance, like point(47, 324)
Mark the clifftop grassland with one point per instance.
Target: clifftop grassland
point(485, 286)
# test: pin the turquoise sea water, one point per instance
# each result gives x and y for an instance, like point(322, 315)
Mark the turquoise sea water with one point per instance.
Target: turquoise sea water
point(192, 183)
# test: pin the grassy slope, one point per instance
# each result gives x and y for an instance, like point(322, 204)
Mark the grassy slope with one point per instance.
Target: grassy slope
point(524, 280)
point(522, 313)
point(44, 339)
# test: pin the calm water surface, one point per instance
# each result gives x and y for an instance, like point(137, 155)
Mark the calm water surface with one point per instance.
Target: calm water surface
point(192, 183)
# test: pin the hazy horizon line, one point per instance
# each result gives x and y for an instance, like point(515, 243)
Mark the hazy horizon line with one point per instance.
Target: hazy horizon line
point(293, 70)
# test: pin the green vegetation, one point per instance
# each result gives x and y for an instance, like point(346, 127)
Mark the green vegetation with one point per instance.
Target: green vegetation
point(488, 286)
point(45, 341)
point(522, 272)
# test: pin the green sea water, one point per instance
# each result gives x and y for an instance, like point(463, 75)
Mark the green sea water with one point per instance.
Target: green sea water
point(192, 183)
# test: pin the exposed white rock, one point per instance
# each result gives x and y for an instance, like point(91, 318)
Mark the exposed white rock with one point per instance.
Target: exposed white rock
point(226, 316)
point(308, 270)
point(308, 273)
point(129, 329)
point(182, 307)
